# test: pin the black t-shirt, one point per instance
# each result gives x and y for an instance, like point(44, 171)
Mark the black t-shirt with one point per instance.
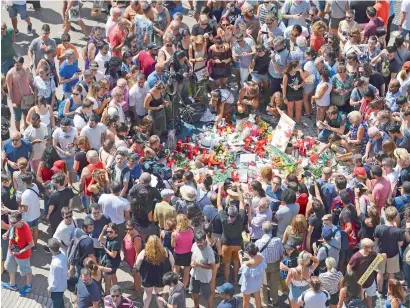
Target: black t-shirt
point(377, 81)
point(232, 232)
point(388, 238)
point(366, 231)
point(348, 214)
point(9, 202)
point(360, 7)
point(112, 244)
point(198, 30)
point(315, 220)
point(81, 157)
point(233, 16)
point(394, 66)
point(86, 248)
point(262, 63)
point(59, 199)
point(99, 224)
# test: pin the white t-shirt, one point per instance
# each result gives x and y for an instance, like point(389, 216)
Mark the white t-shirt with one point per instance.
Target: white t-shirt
point(405, 7)
point(100, 59)
point(137, 98)
point(41, 133)
point(114, 207)
point(78, 120)
point(315, 299)
point(204, 256)
point(109, 26)
point(64, 233)
point(94, 134)
point(114, 109)
point(64, 139)
point(32, 201)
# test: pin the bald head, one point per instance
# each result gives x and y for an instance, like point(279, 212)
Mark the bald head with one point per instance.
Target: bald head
point(116, 12)
point(175, 24)
point(145, 178)
point(15, 135)
point(159, 67)
point(366, 242)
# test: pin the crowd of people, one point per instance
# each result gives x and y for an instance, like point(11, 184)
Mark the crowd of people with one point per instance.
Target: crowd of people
point(96, 130)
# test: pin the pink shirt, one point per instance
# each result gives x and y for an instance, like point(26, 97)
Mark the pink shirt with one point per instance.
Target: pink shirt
point(183, 241)
point(381, 192)
point(17, 79)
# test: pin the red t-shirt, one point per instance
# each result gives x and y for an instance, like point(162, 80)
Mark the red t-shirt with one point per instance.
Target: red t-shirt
point(90, 167)
point(22, 237)
point(383, 10)
point(316, 42)
point(116, 38)
point(147, 62)
point(302, 200)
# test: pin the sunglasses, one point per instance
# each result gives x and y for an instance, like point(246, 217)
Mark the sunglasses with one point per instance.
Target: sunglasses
point(239, 41)
point(269, 23)
point(204, 24)
point(110, 231)
point(349, 17)
point(75, 94)
point(225, 25)
point(168, 45)
point(68, 216)
point(2, 29)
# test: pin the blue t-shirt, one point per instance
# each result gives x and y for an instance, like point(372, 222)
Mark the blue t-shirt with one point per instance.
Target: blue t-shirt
point(87, 294)
point(67, 71)
point(13, 154)
point(376, 145)
point(328, 193)
point(153, 77)
point(233, 303)
point(274, 195)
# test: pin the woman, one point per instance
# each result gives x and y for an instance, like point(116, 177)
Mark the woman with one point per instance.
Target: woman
point(45, 86)
point(215, 244)
point(350, 290)
point(266, 176)
point(298, 278)
point(182, 67)
point(225, 31)
point(369, 224)
point(317, 38)
point(80, 158)
point(142, 216)
point(322, 94)
point(222, 103)
point(361, 86)
point(269, 30)
point(342, 84)
point(315, 296)
point(310, 79)
point(252, 270)
point(396, 296)
point(132, 245)
point(46, 114)
point(166, 53)
point(197, 55)
point(362, 201)
point(111, 123)
point(248, 101)
point(97, 271)
point(352, 44)
point(314, 221)
point(161, 21)
point(296, 231)
point(112, 257)
point(181, 240)
point(352, 65)
point(357, 137)
point(219, 59)
point(293, 82)
point(155, 104)
point(94, 44)
point(331, 281)
point(185, 43)
point(259, 211)
point(127, 63)
point(98, 184)
point(152, 263)
point(73, 102)
point(98, 91)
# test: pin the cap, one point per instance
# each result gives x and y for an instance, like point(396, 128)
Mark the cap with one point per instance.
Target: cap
point(58, 166)
point(327, 233)
point(226, 288)
point(290, 244)
point(188, 193)
point(153, 46)
point(372, 131)
point(93, 65)
point(327, 217)
point(327, 170)
point(406, 66)
point(167, 192)
point(360, 172)
point(134, 158)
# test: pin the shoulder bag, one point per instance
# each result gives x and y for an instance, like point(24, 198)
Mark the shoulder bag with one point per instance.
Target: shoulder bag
point(27, 101)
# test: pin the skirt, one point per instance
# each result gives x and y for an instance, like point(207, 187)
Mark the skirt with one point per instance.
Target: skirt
point(160, 121)
point(295, 291)
point(183, 259)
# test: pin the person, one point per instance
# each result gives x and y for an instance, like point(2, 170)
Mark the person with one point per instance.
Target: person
point(143, 26)
point(7, 54)
point(69, 72)
point(88, 292)
point(293, 83)
point(153, 262)
point(176, 291)
point(117, 299)
point(287, 211)
point(155, 104)
point(137, 95)
point(19, 7)
point(94, 131)
point(64, 138)
point(164, 210)
point(350, 291)
point(65, 229)
point(380, 187)
point(220, 57)
point(86, 245)
point(330, 281)
point(242, 52)
point(400, 137)
point(65, 45)
point(132, 245)
point(57, 279)
point(315, 296)
point(395, 294)
point(357, 136)
point(38, 46)
point(328, 248)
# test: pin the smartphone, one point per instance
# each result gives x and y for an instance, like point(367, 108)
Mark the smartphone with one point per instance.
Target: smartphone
point(265, 32)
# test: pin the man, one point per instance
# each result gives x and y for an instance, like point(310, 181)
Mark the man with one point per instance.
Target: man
point(274, 193)
point(388, 239)
point(19, 253)
point(272, 249)
point(348, 221)
point(210, 212)
point(278, 63)
point(400, 138)
point(392, 95)
point(60, 198)
point(30, 205)
point(203, 28)
point(116, 299)
point(7, 48)
point(19, 7)
point(288, 209)
point(242, 52)
point(19, 84)
point(147, 60)
point(137, 97)
point(337, 12)
point(69, 72)
point(405, 196)
point(164, 210)
point(88, 291)
point(65, 230)
point(390, 66)
point(86, 176)
point(380, 187)
point(117, 36)
point(122, 84)
point(232, 226)
point(251, 20)
point(335, 122)
point(135, 167)
point(100, 220)
point(64, 138)
point(329, 246)
point(226, 292)
point(327, 188)
point(175, 28)
point(156, 75)
point(296, 12)
point(202, 263)
point(104, 55)
point(15, 148)
point(116, 207)
point(176, 291)
point(403, 161)
point(404, 24)
point(374, 145)
point(153, 194)
point(131, 11)
point(85, 245)
point(115, 106)
point(121, 173)
point(38, 46)
point(95, 132)
point(37, 135)
point(143, 26)
point(65, 45)
point(374, 23)
point(112, 21)
point(319, 64)
point(57, 278)
point(345, 26)
point(359, 263)
point(232, 12)
point(86, 81)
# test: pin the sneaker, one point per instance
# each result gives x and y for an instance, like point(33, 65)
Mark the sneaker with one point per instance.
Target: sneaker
point(7, 285)
point(29, 28)
point(26, 290)
point(379, 295)
point(46, 249)
point(16, 31)
point(191, 13)
point(34, 248)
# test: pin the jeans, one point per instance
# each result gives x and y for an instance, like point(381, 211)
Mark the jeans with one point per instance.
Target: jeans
point(46, 204)
point(404, 33)
point(324, 135)
point(406, 270)
point(69, 162)
point(58, 299)
point(6, 65)
point(85, 200)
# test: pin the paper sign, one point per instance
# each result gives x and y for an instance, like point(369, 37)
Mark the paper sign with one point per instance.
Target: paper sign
point(247, 158)
point(370, 269)
point(200, 75)
point(283, 132)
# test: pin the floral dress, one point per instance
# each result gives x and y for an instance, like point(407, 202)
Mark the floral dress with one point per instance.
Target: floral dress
point(252, 277)
point(344, 85)
point(365, 139)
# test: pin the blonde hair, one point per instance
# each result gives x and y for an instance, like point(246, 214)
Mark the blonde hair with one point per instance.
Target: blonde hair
point(90, 264)
point(22, 164)
point(298, 224)
point(331, 264)
point(154, 251)
point(86, 141)
point(304, 258)
point(354, 116)
point(317, 25)
point(182, 222)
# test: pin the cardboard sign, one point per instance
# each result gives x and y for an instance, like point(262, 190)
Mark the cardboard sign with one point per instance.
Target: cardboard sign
point(371, 268)
point(283, 132)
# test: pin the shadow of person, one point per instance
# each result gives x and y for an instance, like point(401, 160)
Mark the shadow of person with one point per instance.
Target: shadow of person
point(47, 16)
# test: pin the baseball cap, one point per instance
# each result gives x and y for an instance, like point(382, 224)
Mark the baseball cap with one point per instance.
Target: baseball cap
point(153, 46)
point(58, 166)
point(327, 233)
point(167, 192)
point(327, 217)
point(290, 244)
point(360, 172)
point(226, 288)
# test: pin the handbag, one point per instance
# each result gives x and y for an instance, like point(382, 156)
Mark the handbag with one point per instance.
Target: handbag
point(339, 100)
point(27, 101)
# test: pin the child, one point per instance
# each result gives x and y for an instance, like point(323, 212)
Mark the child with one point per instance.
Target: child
point(18, 184)
point(290, 260)
point(170, 226)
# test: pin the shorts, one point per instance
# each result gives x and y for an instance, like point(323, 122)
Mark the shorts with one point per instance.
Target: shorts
point(275, 84)
point(12, 263)
point(183, 259)
point(389, 266)
point(4, 249)
point(34, 223)
point(371, 291)
point(74, 14)
point(229, 253)
point(198, 287)
point(334, 299)
point(309, 88)
point(334, 22)
point(295, 291)
point(18, 112)
point(259, 77)
point(20, 9)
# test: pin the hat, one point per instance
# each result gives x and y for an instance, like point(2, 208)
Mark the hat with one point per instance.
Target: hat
point(226, 288)
point(93, 65)
point(327, 217)
point(406, 66)
point(360, 172)
point(290, 244)
point(134, 158)
point(58, 166)
point(232, 191)
point(188, 193)
point(327, 233)
point(327, 170)
point(232, 212)
point(372, 131)
point(167, 192)
point(153, 46)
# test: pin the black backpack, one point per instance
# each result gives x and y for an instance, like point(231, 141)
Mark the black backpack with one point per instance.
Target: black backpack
point(192, 113)
point(322, 265)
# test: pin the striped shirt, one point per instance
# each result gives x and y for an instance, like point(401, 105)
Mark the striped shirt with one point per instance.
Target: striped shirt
point(330, 281)
point(274, 251)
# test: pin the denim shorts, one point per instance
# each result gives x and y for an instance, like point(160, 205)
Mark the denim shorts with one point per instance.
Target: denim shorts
point(34, 223)
point(20, 9)
point(12, 263)
point(259, 77)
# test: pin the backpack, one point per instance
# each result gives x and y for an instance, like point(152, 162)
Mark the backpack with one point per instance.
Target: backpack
point(402, 204)
point(123, 173)
point(290, 262)
point(356, 303)
point(322, 264)
point(61, 105)
point(192, 113)
point(73, 252)
point(344, 245)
